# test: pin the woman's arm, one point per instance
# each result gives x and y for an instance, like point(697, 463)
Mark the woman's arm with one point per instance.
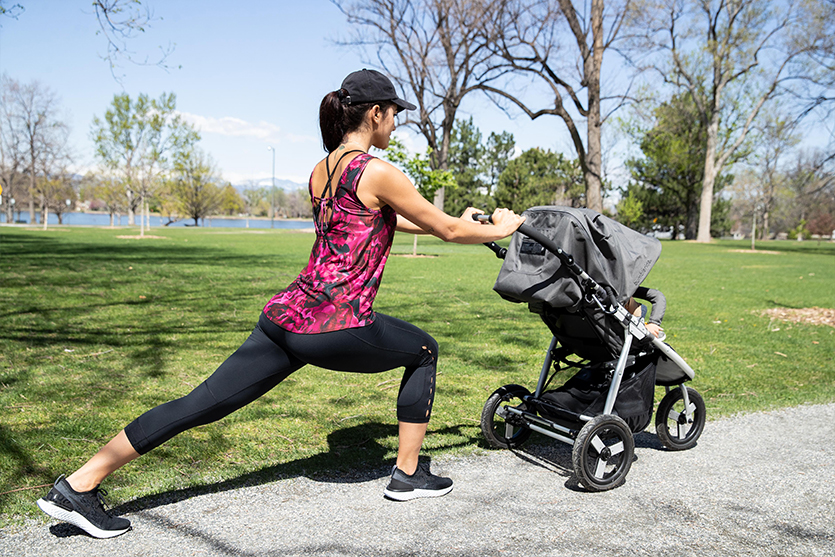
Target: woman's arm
point(405, 225)
point(389, 186)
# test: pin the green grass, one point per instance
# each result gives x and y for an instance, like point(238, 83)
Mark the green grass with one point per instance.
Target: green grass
point(95, 329)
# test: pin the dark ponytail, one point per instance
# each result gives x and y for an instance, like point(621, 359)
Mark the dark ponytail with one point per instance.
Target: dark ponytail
point(337, 119)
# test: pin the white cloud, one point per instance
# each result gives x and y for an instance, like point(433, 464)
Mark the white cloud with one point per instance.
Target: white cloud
point(234, 127)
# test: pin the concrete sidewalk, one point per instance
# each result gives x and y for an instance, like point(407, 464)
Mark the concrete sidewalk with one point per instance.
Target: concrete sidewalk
point(760, 484)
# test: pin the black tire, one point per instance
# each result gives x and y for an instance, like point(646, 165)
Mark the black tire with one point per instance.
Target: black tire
point(603, 453)
point(674, 429)
point(509, 432)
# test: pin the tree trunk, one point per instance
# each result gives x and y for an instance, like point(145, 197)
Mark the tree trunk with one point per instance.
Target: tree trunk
point(131, 213)
point(592, 173)
point(706, 201)
point(766, 235)
point(141, 215)
point(594, 156)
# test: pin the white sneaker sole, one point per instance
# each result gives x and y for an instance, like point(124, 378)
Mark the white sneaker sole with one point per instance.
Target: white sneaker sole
point(416, 493)
point(76, 519)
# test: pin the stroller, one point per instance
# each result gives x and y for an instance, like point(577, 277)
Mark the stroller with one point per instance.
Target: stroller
point(580, 295)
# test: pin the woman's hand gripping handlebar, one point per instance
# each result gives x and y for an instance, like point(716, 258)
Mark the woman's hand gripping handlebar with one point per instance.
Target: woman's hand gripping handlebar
point(497, 249)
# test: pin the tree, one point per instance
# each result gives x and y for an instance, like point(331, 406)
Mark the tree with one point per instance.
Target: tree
point(630, 210)
point(121, 22)
point(560, 46)
point(465, 161)
point(194, 184)
point(136, 139)
point(37, 137)
point(419, 168)
point(822, 224)
point(231, 202)
point(12, 151)
point(669, 176)
point(733, 58)
point(476, 166)
point(497, 153)
point(106, 189)
point(809, 188)
point(539, 177)
point(434, 49)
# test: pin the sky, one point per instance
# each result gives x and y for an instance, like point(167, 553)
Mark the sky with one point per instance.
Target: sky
point(249, 75)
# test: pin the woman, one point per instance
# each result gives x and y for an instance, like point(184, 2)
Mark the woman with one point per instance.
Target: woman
point(325, 316)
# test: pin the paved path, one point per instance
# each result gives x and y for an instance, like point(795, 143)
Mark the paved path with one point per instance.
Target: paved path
point(760, 485)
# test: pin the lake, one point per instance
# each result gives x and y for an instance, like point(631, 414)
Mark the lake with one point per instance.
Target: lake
point(103, 219)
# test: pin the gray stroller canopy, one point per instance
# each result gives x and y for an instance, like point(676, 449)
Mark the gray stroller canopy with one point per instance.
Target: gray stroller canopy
point(615, 256)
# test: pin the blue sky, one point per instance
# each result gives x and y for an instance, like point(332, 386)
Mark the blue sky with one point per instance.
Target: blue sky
point(248, 74)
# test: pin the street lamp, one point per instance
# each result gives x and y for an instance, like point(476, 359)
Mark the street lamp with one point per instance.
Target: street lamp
point(272, 203)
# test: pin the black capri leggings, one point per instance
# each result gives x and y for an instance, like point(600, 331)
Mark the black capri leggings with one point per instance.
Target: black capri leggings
point(271, 354)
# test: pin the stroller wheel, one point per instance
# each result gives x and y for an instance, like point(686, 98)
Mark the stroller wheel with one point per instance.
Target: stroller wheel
point(677, 429)
point(503, 430)
point(602, 453)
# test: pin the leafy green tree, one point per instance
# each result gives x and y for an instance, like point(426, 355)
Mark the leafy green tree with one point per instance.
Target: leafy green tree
point(136, 140)
point(231, 202)
point(497, 154)
point(734, 58)
point(539, 177)
point(464, 161)
point(669, 177)
point(477, 166)
point(193, 186)
point(630, 210)
point(419, 168)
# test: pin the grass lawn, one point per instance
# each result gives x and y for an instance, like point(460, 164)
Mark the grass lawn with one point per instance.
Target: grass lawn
point(95, 329)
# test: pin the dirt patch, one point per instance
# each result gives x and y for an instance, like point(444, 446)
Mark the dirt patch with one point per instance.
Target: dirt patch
point(145, 237)
point(765, 251)
point(811, 316)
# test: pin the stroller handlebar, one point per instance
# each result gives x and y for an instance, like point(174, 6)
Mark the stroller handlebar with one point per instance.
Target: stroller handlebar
point(496, 248)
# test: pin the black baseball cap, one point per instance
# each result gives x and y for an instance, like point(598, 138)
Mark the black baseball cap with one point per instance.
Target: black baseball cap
point(366, 86)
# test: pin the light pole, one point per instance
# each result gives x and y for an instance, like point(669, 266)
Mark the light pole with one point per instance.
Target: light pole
point(272, 203)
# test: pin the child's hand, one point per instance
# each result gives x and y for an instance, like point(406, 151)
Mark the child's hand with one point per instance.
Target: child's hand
point(656, 330)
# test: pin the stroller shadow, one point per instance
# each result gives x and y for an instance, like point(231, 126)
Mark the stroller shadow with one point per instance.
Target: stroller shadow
point(556, 457)
point(355, 454)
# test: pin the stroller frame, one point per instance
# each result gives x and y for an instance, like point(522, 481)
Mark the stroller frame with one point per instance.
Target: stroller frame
point(603, 444)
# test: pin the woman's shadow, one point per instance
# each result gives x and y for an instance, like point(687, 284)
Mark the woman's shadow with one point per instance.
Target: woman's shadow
point(355, 454)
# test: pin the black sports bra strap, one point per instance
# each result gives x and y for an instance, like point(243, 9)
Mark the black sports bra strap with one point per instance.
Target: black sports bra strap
point(325, 198)
point(328, 187)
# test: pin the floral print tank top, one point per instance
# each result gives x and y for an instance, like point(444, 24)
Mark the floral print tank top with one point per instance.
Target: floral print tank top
point(337, 288)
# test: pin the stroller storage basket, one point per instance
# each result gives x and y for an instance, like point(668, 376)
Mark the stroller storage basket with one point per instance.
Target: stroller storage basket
point(585, 394)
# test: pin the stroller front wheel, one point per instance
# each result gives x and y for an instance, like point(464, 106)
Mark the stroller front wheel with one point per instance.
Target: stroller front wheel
point(677, 428)
point(603, 452)
point(501, 429)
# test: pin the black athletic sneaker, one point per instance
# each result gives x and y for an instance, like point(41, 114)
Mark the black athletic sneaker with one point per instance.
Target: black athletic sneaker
point(85, 510)
point(422, 483)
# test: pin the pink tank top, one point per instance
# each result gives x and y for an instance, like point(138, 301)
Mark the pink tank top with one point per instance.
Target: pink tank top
point(337, 288)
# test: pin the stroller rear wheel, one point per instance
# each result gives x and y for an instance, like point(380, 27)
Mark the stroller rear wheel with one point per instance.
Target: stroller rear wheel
point(676, 429)
point(502, 429)
point(603, 452)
